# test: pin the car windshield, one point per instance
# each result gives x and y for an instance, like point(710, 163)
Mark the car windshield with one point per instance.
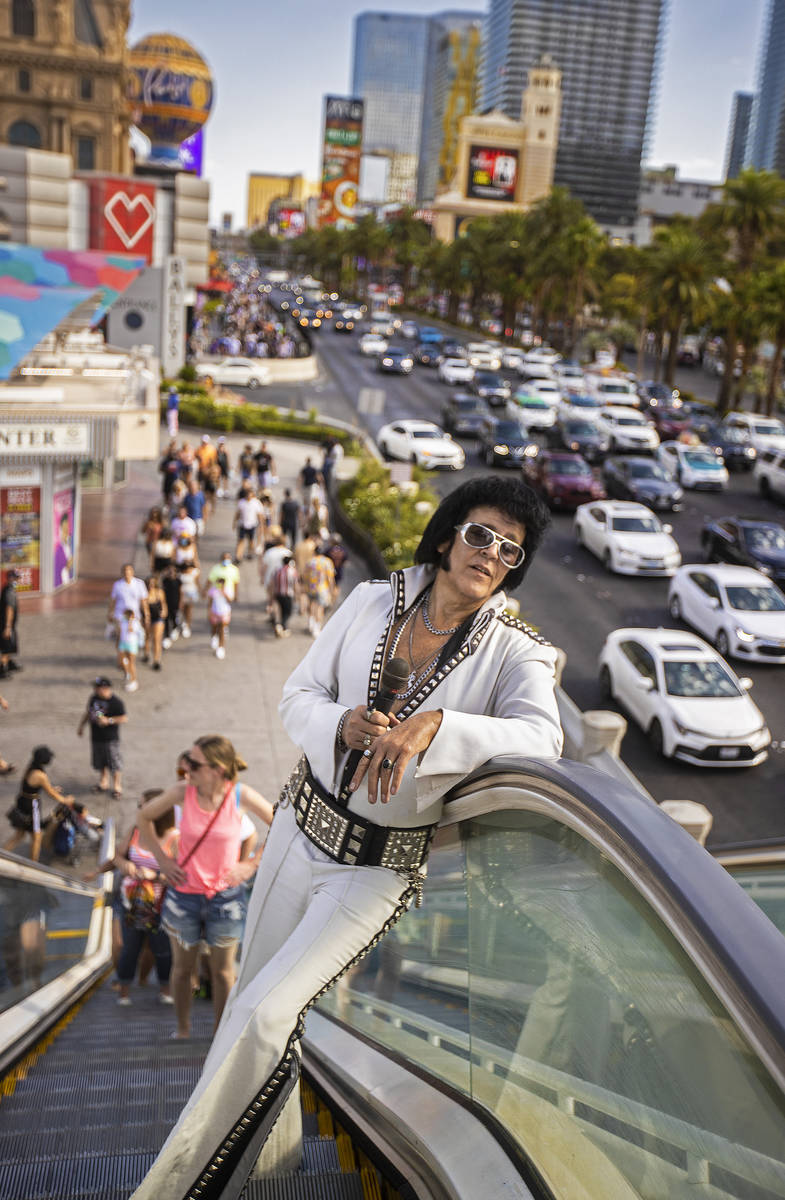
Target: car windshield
point(769, 428)
point(569, 466)
point(639, 421)
point(765, 538)
point(531, 402)
point(455, 362)
point(756, 599)
point(397, 350)
point(584, 402)
point(698, 679)
point(641, 470)
point(468, 404)
point(672, 414)
point(507, 429)
point(735, 436)
point(635, 525)
point(659, 391)
point(580, 429)
point(613, 389)
point(489, 379)
point(698, 458)
point(426, 433)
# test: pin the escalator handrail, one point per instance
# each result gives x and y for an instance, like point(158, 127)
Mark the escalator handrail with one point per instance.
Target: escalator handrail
point(735, 947)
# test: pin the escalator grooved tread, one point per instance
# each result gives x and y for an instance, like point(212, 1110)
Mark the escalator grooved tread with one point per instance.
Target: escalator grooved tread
point(107, 1091)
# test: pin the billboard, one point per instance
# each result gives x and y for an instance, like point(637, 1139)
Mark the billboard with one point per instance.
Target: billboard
point(493, 173)
point(291, 222)
point(63, 523)
point(191, 153)
point(20, 536)
point(343, 140)
point(122, 216)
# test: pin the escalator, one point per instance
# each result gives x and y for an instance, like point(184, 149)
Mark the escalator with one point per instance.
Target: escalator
point(586, 1005)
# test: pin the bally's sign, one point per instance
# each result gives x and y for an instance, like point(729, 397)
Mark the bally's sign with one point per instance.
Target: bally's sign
point(44, 439)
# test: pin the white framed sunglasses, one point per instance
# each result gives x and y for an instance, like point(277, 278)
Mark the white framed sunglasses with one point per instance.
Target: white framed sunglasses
point(480, 537)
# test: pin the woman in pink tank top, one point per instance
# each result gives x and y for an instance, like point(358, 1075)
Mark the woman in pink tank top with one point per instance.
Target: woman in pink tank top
point(206, 898)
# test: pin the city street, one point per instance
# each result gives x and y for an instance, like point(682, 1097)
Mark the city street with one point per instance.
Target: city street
point(574, 601)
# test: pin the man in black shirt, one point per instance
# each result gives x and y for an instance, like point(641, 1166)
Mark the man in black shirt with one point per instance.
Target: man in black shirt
point(289, 515)
point(9, 643)
point(105, 713)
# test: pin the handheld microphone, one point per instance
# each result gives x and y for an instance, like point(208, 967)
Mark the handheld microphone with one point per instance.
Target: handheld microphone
point(394, 679)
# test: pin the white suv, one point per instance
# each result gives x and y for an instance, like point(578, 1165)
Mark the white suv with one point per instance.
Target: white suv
point(765, 433)
point(613, 389)
point(770, 473)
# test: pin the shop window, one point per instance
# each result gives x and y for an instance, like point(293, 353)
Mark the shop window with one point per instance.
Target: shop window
point(23, 18)
point(23, 133)
point(85, 88)
point(85, 153)
point(23, 81)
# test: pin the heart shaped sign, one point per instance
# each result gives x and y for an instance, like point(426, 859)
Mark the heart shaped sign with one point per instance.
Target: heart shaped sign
point(130, 219)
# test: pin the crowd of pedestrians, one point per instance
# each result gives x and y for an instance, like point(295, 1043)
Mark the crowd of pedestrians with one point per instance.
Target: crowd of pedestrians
point(249, 326)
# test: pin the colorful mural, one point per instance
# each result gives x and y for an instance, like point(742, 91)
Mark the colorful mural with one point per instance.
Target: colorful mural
point(39, 288)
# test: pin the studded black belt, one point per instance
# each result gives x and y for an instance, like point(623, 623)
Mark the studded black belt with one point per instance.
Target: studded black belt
point(346, 837)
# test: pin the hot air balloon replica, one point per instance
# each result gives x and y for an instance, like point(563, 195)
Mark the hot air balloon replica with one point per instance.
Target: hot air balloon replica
point(170, 93)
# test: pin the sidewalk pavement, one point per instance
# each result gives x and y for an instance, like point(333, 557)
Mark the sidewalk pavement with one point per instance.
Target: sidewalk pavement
point(63, 648)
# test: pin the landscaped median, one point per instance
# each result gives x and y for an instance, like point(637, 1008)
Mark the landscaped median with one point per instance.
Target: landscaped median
point(198, 408)
point(392, 516)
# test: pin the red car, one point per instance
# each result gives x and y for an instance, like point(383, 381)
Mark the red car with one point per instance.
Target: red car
point(669, 422)
point(563, 480)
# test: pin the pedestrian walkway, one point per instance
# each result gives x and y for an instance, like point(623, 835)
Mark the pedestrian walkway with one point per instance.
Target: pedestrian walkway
point(63, 648)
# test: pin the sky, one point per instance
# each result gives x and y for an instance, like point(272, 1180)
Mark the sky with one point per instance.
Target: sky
point(273, 62)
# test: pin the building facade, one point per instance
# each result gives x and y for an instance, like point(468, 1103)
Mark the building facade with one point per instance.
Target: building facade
point(389, 71)
point(63, 72)
point(452, 82)
point(265, 189)
point(766, 146)
point(608, 53)
point(738, 133)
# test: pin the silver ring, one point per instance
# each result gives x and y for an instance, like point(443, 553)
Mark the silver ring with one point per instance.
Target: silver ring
point(367, 739)
point(366, 754)
point(387, 764)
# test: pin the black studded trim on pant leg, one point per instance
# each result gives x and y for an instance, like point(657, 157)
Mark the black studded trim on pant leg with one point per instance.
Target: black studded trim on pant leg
point(211, 1184)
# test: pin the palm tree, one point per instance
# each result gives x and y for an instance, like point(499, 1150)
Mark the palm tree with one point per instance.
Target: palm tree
point(409, 239)
point(772, 303)
point(679, 269)
point(750, 215)
point(369, 243)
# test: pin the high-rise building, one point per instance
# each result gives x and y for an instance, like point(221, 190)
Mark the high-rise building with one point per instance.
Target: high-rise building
point(390, 54)
point(607, 51)
point(766, 145)
point(451, 92)
point(414, 73)
point(738, 133)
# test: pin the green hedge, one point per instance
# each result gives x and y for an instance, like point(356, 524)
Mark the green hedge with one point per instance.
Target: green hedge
point(388, 514)
point(199, 409)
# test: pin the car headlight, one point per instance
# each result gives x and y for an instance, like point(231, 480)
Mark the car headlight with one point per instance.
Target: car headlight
point(764, 569)
point(630, 555)
point(575, 445)
point(387, 362)
point(750, 451)
point(677, 494)
point(743, 636)
point(501, 449)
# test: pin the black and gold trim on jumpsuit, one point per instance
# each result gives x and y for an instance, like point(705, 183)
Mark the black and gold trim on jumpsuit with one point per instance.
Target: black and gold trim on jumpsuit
point(233, 1160)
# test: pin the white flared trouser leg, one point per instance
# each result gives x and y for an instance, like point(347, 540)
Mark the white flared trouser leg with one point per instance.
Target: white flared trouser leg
point(308, 919)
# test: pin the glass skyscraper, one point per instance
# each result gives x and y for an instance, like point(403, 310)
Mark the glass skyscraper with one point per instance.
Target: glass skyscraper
point(607, 51)
point(766, 146)
point(738, 133)
point(390, 54)
point(451, 92)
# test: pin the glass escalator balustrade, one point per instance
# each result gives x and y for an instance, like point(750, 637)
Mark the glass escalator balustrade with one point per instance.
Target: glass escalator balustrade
point(43, 932)
point(539, 982)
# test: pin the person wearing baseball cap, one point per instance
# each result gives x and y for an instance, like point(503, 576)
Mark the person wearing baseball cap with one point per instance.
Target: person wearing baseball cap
point(105, 713)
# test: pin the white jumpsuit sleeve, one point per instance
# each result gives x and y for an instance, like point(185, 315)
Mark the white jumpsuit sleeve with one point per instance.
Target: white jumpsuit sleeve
point(309, 709)
point(525, 722)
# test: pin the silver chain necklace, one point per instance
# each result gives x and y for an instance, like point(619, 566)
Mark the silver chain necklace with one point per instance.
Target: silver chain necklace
point(432, 628)
point(414, 680)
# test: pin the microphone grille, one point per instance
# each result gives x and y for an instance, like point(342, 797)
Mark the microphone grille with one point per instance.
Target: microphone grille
point(395, 674)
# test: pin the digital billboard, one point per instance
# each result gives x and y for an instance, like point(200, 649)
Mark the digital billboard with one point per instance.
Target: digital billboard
point(493, 173)
point(343, 139)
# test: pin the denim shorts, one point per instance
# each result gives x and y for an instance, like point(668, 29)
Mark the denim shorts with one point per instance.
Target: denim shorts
point(191, 917)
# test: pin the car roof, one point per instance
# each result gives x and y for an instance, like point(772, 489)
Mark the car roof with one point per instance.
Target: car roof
point(668, 643)
point(622, 410)
point(624, 508)
point(411, 423)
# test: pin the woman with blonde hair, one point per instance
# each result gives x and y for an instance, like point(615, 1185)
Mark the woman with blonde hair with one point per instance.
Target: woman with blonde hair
point(206, 899)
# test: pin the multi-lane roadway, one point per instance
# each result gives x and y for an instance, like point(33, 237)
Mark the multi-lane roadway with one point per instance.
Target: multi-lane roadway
point(575, 602)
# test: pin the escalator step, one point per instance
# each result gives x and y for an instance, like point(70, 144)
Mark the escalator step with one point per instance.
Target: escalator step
point(304, 1187)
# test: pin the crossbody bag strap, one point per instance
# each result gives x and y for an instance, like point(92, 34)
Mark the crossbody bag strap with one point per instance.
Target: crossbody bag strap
point(206, 829)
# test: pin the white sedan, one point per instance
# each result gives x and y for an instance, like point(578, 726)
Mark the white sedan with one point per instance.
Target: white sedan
point(372, 344)
point(484, 355)
point(547, 389)
point(533, 411)
point(684, 696)
point(455, 370)
point(694, 466)
point(420, 442)
point(512, 358)
point(237, 372)
point(628, 429)
point(628, 537)
point(575, 407)
point(737, 608)
point(570, 376)
point(542, 356)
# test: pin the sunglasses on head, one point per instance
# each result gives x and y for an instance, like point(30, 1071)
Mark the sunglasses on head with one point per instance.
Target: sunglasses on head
point(480, 537)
